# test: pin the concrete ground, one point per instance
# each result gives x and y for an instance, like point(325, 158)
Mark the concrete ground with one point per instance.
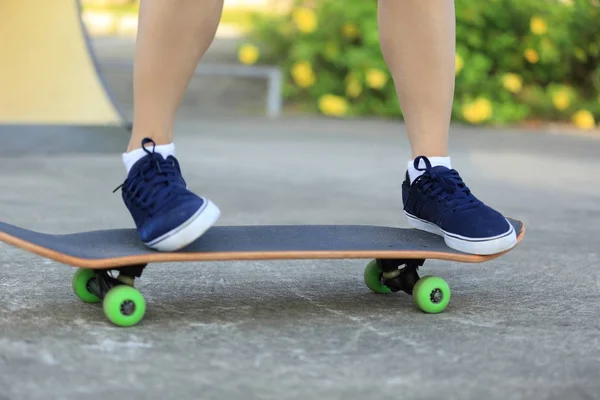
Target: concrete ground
point(525, 326)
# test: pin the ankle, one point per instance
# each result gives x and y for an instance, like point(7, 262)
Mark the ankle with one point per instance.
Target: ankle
point(133, 156)
point(158, 136)
point(414, 173)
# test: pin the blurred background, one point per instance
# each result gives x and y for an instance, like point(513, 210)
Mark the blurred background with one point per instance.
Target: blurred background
point(519, 62)
point(292, 119)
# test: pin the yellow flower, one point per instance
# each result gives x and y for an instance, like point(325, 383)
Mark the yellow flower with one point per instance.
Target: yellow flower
point(538, 25)
point(458, 63)
point(248, 54)
point(478, 111)
point(333, 105)
point(376, 78)
point(532, 56)
point(305, 19)
point(303, 74)
point(353, 87)
point(583, 119)
point(350, 30)
point(561, 100)
point(512, 82)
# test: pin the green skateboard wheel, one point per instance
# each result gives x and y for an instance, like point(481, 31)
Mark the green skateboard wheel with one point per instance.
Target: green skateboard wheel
point(431, 294)
point(372, 277)
point(124, 306)
point(80, 281)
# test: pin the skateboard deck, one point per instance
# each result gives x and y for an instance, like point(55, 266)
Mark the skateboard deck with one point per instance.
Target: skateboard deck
point(114, 248)
point(397, 254)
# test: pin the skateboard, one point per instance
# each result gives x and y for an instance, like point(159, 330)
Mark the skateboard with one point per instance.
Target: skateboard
point(109, 261)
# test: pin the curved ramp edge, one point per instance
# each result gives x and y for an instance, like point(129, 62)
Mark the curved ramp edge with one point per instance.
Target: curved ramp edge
point(48, 71)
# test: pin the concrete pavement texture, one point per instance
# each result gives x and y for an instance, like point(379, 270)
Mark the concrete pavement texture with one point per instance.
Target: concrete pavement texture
point(524, 326)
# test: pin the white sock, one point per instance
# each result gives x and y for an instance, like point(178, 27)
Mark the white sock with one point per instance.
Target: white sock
point(134, 156)
point(413, 173)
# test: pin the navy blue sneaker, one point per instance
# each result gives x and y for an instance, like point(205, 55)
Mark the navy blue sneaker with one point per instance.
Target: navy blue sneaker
point(439, 202)
point(167, 215)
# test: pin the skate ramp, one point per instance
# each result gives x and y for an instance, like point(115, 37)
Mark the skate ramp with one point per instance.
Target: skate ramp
point(49, 77)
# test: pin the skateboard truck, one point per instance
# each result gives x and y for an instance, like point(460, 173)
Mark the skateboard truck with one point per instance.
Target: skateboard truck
point(430, 293)
point(123, 304)
point(103, 281)
point(400, 279)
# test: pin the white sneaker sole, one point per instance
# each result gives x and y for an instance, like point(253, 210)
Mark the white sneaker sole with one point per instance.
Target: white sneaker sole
point(189, 231)
point(479, 246)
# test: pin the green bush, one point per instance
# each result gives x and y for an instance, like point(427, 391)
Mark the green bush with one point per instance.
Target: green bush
point(516, 59)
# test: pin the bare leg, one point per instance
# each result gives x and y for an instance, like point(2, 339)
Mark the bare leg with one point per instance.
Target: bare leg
point(172, 37)
point(418, 43)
